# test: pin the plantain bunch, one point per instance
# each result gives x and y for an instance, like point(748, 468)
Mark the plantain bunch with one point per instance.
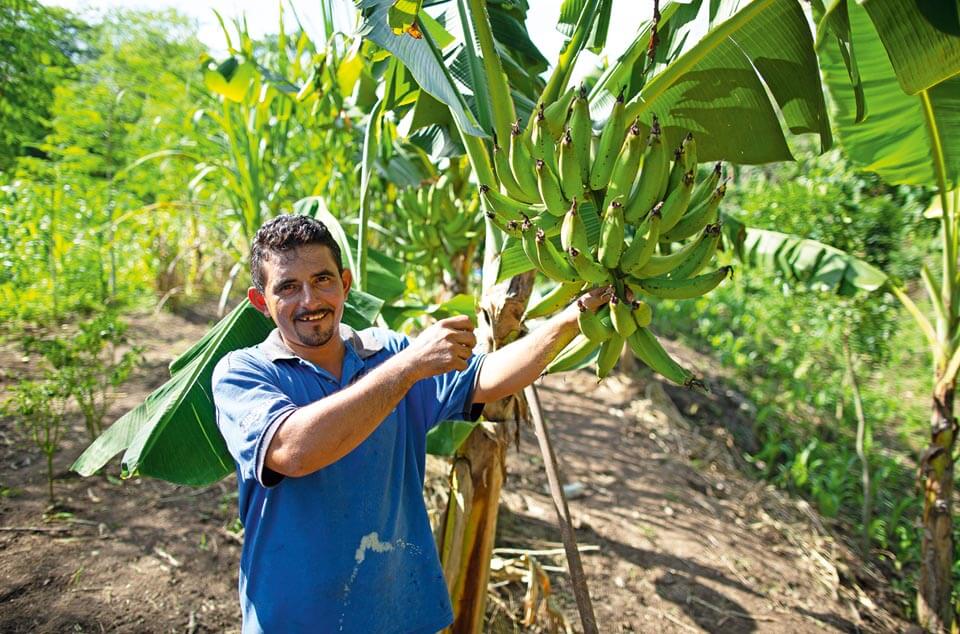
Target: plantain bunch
point(648, 195)
point(436, 222)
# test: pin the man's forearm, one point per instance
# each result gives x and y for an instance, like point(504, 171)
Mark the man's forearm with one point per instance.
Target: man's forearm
point(517, 365)
point(324, 431)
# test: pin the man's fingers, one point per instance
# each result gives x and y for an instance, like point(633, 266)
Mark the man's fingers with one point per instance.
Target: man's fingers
point(597, 297)
point(457, 322)
point(464, 337)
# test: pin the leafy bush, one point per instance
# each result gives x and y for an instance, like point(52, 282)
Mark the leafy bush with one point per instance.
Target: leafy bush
point(39, 407)
point(89, 364)
point(786, 346)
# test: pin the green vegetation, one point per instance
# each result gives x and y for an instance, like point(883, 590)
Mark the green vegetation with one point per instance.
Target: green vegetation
point(135, 167)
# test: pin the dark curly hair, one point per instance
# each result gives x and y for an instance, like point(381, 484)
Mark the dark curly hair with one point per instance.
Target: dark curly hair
point(286, 232)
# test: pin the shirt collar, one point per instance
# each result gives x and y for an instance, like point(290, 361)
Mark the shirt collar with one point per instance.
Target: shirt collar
point(364, 343)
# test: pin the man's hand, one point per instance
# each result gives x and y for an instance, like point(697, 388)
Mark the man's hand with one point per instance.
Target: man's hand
point(444, 346)
point(595, 298)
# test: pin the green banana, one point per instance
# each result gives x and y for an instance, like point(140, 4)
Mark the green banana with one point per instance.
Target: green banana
point(573, 233)
point(506, 207)
point(700, 256)
point(511, 227)
point(642, 313)
point(642, 248)
point(646, 347)
point(662, 264)
point(556, 113)
point(561, 295)
point(501, 162)
point(543, 145)
point(569, 169)
point(624, 170)
point(581, 130)
point(611, 140)
point(549, 189)
point(609, 354)
point(528, 241)
point(652, 179)
point(552, 262)
point(697, 217)
point(573, 356)
point(591, 324)
point(611, 235)
point(621, 314)
point(668, 288)
point(549, 223)
point(677, 170)
point(586, 268)
point(520, 162)
point(704, 188)
point(689, 146)
point(676, 204)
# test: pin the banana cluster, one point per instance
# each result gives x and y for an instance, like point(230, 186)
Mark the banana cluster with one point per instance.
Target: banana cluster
point(646, 201)
point(436, 222)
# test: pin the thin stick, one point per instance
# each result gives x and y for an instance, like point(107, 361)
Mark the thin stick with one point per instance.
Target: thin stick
point(34, 529)
point(579, 580)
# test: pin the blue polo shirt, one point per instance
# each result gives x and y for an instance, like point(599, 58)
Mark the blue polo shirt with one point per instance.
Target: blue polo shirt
point(347, 548)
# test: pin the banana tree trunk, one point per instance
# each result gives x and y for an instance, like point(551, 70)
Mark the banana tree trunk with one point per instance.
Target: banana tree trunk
point(469, 523)
point(934, 609)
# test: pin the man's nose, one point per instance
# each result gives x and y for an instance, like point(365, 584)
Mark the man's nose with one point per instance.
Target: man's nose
point(311, 295)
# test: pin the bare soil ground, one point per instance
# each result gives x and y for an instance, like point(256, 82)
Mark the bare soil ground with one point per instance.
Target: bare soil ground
point(675, 538)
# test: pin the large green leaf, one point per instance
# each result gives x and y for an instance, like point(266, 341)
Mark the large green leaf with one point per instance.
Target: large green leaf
point(446, 438)
point(921, 37)
point(421, 57)
point(173, 434)
point(895, 138)
point(395, 316)
point(812, 263)
point(739, 68)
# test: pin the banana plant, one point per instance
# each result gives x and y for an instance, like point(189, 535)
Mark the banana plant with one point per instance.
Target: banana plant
point(901, 121)
point(896, 115)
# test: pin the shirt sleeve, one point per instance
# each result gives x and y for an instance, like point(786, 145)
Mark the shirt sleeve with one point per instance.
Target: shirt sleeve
point(250, 408)
point(453, 393)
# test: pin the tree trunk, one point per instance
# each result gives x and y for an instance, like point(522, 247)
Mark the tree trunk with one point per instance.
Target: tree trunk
point(469, 523)
point(934, 611)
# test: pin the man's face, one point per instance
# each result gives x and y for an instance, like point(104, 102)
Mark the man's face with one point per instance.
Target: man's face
point(304, 294)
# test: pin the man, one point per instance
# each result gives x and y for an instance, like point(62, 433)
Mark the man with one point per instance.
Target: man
point(327, 426)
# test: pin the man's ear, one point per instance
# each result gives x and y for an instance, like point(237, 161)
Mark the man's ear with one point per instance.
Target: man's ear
point(258, 300)
point(347, 278)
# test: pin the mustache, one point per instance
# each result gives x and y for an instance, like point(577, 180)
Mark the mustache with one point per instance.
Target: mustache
point(312, 313)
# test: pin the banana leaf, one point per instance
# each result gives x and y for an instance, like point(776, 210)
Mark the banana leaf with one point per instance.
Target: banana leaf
point(173, 434)
point(736, 70)
point(395, 316)
point(903, 136)
point(811, 263)
point(446, 438)
point(922, 40)
point(424, 61)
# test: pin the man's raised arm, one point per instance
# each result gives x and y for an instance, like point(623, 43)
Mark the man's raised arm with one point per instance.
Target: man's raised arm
point(321, 433)
point(517, 365)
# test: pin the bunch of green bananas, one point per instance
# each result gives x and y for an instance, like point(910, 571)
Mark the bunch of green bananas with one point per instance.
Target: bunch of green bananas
point(556, 165)
point(436, 222)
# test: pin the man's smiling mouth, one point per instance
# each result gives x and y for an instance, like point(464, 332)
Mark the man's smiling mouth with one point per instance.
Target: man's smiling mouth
point(314, 316)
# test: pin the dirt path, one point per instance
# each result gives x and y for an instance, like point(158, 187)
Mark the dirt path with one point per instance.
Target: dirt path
point(676, 539)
